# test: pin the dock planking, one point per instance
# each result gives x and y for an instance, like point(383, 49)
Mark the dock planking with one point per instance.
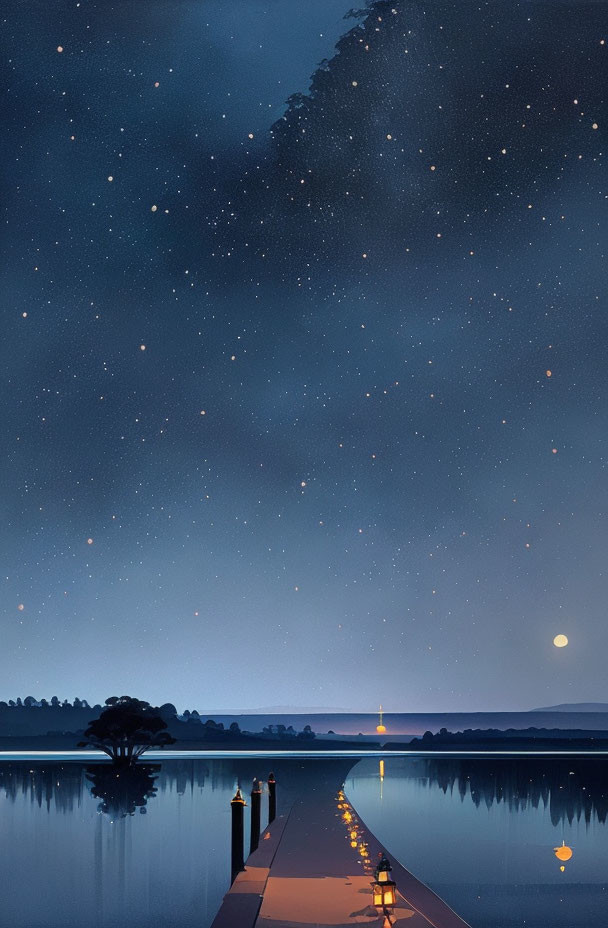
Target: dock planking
point(306, 874)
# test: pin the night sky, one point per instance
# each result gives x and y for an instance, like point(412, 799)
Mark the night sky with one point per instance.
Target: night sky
point(304, 352)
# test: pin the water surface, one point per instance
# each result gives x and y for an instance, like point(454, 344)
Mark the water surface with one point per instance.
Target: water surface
point(483, 833)
point(83, 848)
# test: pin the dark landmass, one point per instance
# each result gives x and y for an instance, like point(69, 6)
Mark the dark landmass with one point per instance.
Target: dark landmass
point(411, 724)
point(575, 707)
point(68, 741)
point(31, 724)
point(536, 739)
point(48, 727)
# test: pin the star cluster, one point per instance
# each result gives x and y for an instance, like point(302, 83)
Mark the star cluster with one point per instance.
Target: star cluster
point(304, 377)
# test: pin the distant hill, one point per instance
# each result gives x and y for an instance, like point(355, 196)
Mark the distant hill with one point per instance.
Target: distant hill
point(575, 707)
point(284, 710)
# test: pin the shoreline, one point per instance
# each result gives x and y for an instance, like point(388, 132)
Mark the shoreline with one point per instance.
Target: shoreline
point(88, 756)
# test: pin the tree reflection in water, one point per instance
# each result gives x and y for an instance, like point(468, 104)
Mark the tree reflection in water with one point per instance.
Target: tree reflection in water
point(122, 790)
point(572, 788)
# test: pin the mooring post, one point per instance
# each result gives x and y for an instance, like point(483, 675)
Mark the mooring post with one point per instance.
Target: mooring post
point(237, 806)
point(256, 805)
point(272, 798)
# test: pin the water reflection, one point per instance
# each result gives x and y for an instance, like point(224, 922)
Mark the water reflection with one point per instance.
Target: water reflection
point(563, 852)
point(46, 785)
point(62, 786)
point(76, 836)
point(506, 842)
point(77, 852)
point(122, 790)
point(571, 789)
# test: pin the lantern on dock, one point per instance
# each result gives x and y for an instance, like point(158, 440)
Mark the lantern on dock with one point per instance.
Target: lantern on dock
point(383, 887)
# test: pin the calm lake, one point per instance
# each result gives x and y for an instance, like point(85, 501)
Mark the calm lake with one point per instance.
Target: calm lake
point(483, 833)
point(81, 847)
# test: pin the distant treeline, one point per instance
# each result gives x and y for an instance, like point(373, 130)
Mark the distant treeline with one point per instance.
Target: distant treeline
point(30, 702)
point(511, 738)
point(29, 717)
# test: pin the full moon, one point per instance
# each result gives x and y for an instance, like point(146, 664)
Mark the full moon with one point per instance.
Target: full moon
point(560, 641)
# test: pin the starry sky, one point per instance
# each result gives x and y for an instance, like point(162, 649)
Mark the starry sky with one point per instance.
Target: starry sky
point(304, 352)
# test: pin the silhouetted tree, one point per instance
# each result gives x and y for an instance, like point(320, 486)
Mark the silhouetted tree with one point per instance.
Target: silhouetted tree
point(307, 734)
point(54, 702)
point(126, 729)
point(29, 701)
point(235, 728)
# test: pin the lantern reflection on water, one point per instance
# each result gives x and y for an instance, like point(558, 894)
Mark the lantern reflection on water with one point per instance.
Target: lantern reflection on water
point(563, 853)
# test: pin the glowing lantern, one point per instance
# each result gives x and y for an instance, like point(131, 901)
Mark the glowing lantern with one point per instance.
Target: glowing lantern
point(563, 852)
point(381, 727)
point(383, 888)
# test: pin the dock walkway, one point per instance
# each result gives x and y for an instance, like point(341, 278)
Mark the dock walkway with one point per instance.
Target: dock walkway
point(313, 869)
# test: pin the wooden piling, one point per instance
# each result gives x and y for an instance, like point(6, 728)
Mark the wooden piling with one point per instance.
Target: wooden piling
point(256, 805)
point(237, 806)
point(272, 798)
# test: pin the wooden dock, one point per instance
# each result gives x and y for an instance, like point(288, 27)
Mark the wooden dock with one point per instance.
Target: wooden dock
point(313, 869)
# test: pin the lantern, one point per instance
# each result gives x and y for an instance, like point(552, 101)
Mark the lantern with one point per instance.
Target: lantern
point(383, 887)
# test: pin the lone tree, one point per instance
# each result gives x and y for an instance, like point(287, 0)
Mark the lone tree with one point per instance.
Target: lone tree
point(126, 729)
